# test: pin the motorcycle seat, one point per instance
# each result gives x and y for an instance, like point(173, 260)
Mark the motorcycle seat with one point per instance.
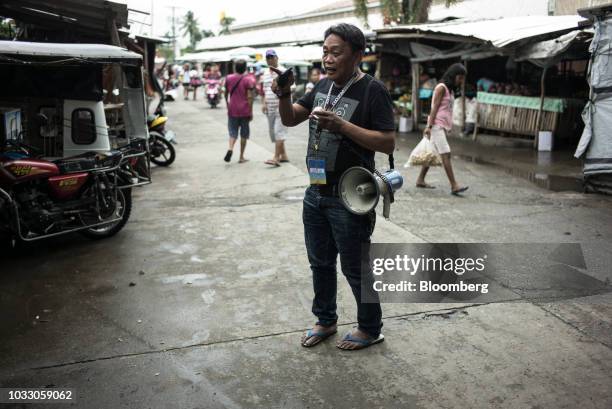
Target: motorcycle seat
point(87, 161)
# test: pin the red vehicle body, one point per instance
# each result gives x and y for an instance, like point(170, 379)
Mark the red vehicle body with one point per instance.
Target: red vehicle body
point(41, 198)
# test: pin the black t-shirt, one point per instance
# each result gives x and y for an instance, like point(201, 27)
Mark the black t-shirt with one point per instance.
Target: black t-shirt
point(367, 104)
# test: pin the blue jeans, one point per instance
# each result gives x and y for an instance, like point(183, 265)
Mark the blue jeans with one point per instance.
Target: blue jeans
point(329, 230)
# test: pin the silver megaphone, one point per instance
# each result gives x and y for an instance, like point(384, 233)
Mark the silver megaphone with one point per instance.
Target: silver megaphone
point(361, 189)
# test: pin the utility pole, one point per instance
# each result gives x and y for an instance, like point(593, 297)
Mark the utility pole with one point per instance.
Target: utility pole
point(174, 33)
point(152, 20)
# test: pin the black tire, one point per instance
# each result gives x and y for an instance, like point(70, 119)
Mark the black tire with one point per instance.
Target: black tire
point(102, 232)
point(161, 151)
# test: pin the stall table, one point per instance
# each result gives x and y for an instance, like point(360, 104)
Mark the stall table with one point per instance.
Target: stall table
point(519, 115)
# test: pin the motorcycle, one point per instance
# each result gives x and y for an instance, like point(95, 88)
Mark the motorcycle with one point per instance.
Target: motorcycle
point(43, 198)
point(161, 151)
point(213, 91)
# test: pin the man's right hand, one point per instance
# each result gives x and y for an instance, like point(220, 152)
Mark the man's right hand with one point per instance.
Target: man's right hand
point(427, 133)
point(264, 109)
point(287, 88)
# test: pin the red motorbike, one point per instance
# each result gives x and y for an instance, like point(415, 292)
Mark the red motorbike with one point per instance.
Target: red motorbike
point(41, 198)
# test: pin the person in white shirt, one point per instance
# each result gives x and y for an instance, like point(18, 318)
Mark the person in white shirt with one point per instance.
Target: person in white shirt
point(186, 81)
point(278, 131)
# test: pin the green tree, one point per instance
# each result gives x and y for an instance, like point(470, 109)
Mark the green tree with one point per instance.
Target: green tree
point(225, 22)
point(191, 28)
point(400, 11)
point(207, 33)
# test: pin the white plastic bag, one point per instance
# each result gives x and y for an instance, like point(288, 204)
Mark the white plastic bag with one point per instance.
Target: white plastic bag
point(424, 154)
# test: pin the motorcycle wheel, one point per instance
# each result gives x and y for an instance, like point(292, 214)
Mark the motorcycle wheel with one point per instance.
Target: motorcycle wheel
point(161, 151)
point(124, 209)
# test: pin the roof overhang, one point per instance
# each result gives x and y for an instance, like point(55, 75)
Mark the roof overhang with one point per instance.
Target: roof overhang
point(88, 53)
point(499, 33)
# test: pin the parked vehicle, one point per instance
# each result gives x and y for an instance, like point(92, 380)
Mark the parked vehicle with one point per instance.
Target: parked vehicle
point(40, 198)
point(81, 144)
point(161, 151)
point(213, 91)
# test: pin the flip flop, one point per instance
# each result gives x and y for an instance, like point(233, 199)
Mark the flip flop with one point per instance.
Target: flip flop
point(363, 343)
point(243, 160)
point(272, 163)
point(322, 336)
point(425, 186)
point(460, 190)
point(284, 161)
point(228, 156)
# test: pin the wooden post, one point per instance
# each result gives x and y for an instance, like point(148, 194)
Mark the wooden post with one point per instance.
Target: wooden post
point(416, 68)
point(539, 120)
point(475, 134)
point(463, 99)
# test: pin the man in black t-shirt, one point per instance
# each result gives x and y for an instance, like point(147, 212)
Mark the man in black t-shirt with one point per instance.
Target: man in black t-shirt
point(351, 117)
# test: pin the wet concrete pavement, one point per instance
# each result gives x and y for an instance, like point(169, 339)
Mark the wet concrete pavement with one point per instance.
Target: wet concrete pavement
point(201, 300)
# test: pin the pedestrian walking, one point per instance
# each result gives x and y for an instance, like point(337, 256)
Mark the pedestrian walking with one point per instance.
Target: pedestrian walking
point(351, 117)
point(239, 101)
point(186, 80)
point(195, 81)
point(440, 122)
point(276, 129)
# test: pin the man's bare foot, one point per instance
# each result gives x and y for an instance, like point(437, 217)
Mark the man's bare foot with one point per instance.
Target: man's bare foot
point(317, 334)
point(357, 339)
point(242, 160)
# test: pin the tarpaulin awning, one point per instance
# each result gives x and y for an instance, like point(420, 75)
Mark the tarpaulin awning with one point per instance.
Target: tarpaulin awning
point(549, 52)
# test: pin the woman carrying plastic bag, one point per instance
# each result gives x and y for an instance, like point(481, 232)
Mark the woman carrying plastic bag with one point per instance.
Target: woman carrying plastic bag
point(424, 154)
point(439, 123)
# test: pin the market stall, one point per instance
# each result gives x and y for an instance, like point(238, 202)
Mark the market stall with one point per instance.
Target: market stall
point(520, 115)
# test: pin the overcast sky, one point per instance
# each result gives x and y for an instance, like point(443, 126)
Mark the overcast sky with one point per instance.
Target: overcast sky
point(208, 12)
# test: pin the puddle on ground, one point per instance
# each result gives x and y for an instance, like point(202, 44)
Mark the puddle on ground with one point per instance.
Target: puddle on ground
point(555, 183)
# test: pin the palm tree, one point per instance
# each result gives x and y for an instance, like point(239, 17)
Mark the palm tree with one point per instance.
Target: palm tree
point(225, 23)
point(400, 11)
point(191, 28)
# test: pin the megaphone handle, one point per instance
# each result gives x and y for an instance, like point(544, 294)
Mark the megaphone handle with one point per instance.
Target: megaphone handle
point(386, 206)
point(391, 162)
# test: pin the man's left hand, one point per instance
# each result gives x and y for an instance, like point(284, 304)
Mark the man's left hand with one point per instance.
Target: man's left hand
point(328, 120)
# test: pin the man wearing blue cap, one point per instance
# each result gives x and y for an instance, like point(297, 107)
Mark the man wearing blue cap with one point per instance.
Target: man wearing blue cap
point(278, 131)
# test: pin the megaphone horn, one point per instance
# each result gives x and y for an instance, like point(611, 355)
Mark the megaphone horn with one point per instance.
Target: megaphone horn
point(360, 189)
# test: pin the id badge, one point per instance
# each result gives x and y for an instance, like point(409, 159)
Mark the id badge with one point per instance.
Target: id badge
point(316, 171)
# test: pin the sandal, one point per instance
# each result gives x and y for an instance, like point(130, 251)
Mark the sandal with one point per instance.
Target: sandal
point(228, 156)
point(321, 336)
point(272, 162)
point(460, 190)
point(360, 342)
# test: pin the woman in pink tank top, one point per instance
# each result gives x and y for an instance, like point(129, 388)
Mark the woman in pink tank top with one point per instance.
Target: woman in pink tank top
point(440, 122)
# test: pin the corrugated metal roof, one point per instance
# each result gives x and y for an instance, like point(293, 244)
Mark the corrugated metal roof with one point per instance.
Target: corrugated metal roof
point(311, 32)
point(84, 51)
point(498, 32)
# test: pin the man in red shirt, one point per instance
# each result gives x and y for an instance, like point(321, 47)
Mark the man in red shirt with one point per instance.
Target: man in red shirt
point(239, 90)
